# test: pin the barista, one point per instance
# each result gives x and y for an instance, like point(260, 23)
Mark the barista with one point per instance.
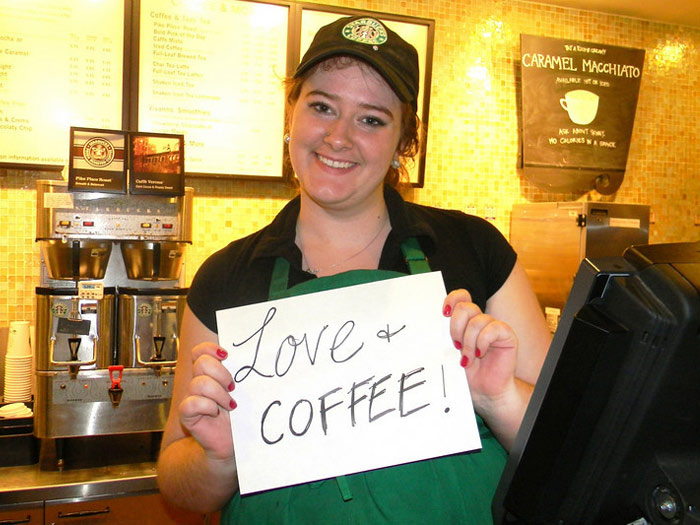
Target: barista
point(352, 127)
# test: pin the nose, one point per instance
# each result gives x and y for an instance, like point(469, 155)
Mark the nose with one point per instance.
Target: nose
point(339, 134)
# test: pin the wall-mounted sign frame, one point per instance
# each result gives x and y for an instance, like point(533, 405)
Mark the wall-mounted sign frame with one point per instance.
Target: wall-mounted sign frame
point(178, 68)
point(578, 106)
point(157, 164)
point(62, 66)
point(97, 160)
point(219, 87)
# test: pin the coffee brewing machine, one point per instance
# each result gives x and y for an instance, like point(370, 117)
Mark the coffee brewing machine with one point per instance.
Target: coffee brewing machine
point(109, 307)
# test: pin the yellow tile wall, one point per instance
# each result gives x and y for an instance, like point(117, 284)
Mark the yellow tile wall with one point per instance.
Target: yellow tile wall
point(473, 136)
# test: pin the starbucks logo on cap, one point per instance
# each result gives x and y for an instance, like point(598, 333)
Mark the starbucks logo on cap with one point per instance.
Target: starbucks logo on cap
point(98, 152)
point(365, 31)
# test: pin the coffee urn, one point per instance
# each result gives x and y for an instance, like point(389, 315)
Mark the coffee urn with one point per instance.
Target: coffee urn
point(109, 307)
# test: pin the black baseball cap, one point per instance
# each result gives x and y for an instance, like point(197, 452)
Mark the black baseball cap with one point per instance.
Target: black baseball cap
point(367, 38)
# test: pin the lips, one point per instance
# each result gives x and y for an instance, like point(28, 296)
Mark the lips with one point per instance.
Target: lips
point(338, 164)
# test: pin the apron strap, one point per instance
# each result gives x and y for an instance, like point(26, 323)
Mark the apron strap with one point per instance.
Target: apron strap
point(279, 279)
point(413, 255)
point(415, 258)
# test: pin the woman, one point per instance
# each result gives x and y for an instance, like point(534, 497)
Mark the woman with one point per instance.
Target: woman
point(352, 124)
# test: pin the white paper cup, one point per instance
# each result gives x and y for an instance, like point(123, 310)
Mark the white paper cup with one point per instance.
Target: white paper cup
point(581, 105)
point(18, 342)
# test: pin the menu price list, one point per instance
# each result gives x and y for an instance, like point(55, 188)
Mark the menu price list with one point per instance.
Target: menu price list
point(60, 66)
point(213, 73)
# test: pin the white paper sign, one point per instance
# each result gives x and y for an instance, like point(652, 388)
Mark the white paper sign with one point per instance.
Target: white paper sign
point(344, 381)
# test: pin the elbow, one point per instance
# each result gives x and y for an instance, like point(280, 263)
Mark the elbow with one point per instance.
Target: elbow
point(186, 482)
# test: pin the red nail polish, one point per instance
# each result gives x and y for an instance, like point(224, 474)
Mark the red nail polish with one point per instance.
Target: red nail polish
point(232, 404)
point(465, 360)
point(458, 345)
point(223, 354)
point(447, 310)
point(477, 353)
point(231, 387)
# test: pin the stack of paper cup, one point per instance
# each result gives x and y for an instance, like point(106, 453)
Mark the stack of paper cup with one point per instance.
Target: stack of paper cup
point(18, 364)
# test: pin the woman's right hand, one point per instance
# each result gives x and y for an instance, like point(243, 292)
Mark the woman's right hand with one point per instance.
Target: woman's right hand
point(204, 410)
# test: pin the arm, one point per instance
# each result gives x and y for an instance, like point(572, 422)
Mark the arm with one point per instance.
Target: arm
point(503, 350)
point(196, 467)
point(516, 304)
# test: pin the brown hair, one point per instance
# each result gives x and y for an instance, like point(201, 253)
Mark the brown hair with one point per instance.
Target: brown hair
point(410, 140)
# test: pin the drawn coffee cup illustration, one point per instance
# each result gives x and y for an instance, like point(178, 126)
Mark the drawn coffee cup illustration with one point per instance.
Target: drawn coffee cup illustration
point(581, 105)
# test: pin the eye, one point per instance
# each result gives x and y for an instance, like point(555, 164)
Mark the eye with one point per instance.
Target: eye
point(320, 107)
point(373, 121)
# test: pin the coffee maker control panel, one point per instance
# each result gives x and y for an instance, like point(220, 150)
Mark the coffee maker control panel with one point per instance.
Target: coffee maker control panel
point(62, 214)
point(116, 226)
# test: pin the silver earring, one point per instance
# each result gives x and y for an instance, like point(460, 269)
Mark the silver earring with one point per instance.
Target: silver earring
point(395, 164)
point(287, 138)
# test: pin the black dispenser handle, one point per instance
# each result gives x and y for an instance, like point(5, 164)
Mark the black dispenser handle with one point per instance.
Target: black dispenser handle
point(75, 259)
point(156, 259)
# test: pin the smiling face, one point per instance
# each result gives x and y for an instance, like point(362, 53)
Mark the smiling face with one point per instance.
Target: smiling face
point(345, 130)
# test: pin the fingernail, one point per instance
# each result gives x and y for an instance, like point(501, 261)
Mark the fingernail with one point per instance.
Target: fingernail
point(223, 354)
point(464, 361)
point(477, 353)
point(232, 404)
point(447, 310)
point(458, 345)
point(231, 387)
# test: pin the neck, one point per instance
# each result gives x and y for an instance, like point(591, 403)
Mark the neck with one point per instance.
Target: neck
point(332, 242)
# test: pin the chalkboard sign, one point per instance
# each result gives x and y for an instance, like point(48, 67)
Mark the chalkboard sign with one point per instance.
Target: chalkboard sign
point(579, 100)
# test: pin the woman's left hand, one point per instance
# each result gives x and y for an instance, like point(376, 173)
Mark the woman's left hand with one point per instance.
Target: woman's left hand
point(489, 349)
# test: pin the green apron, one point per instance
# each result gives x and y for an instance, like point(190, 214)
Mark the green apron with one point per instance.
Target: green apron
point(451, 489)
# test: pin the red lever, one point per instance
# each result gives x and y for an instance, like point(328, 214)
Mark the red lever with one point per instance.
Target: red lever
point(116, 380)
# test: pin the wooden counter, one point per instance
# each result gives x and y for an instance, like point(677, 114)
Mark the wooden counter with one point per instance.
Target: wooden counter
point(114, 494)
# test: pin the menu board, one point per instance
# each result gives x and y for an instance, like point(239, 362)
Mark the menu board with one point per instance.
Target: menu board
point(60, 66)
point(415, 33)
point(213, 72)
point(579, 101)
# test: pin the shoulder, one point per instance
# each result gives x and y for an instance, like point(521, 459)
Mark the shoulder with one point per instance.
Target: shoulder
point(455, 225)
point(236, 255)
point(239, 273)
point(228, 266)
point(231, 276)
point(470, 251)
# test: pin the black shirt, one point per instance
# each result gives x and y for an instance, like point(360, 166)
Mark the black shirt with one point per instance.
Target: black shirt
point(469, 251)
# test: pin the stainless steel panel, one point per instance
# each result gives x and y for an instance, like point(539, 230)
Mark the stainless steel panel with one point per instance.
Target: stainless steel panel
point(153, 261)
point(611, 228)
point(99, 215)
point(75, 259)
point(143, 318)
point(68, 407)
point(51, 345)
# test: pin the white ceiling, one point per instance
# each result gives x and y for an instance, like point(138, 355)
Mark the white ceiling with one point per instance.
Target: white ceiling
point(681, 12)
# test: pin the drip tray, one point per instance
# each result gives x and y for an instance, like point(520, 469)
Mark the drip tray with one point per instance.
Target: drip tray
point(18, 445)
point(99, 451)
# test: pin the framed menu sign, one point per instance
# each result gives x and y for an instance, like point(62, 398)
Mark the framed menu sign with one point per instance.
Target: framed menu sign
point(97, 160)
point(578, 105)
point(213, 71)
point(60, 66)
point(157, 164)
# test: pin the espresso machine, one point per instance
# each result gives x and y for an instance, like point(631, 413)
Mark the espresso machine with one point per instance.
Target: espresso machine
point(109, 307)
